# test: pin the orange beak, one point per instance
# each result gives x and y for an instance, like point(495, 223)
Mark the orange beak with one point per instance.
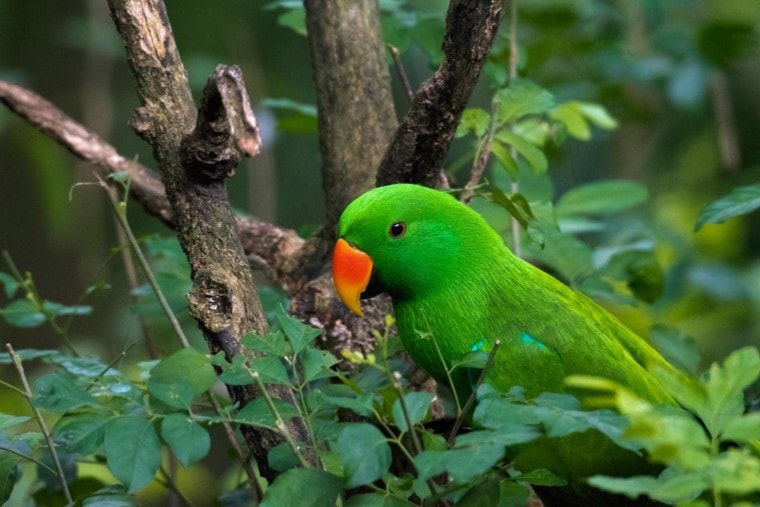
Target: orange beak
point(351, 271)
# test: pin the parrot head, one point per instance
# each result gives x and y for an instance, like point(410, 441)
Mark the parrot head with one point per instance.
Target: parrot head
point(405, 240)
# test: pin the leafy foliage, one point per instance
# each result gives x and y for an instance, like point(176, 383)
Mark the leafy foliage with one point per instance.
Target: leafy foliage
point(128, 416)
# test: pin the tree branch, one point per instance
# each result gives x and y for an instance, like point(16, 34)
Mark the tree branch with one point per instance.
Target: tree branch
point(354, 106)
point(421, 143)
point(194, 163)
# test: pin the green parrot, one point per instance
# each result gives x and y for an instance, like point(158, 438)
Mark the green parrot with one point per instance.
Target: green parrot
point(453, 280)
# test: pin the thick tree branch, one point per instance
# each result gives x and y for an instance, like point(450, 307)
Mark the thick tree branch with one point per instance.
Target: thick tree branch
point(266, 245)
point(421, 143)
point(354, 105)
point(85, 144)
point(194, 163)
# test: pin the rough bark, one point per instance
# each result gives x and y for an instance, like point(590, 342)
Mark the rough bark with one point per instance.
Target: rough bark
point(355, 109)
point(194, 161)
point(422, 140)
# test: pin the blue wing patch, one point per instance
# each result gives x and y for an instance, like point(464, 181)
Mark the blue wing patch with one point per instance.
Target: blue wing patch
point(527, 339)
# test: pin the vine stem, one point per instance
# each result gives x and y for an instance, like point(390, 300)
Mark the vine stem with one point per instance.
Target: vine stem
point(41, 422)
point(34, 297)
point(282, 428)
point(473, 396)
point(120, 209)
point(514, 56)
point(396, 381)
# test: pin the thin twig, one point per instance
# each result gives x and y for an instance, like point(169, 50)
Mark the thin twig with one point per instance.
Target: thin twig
point(401, 72)
point(110, 365)
point(514, 56)
point(41, 422)
point(253, 481)
point(120, 209)
point(282, 428)
point(400, 392)
point(473, 396)
point(484, 153)
point(36, 299)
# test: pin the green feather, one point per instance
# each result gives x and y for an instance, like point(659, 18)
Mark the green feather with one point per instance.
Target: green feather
point(454, 281)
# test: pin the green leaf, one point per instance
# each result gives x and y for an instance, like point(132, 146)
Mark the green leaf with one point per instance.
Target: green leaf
point(745, 429)
point(11, 284)
point(9, 421)
point(474, 120)
point(473, 455)
point(82, 433)
point(736, 472)
point(725, 388)
point(295, 20)
point(375, 500)
point(317, 363)
point(188, 440)
point(303, 487)
point(58, 309)
point(521, 98)
point(178, 379)
point(532, 154)
point(365, 453)
point(271, 370)
point(8, 475)
point(23, 313)
point(542, 477)
point(505, 160)
point(281, 457)
point(235, 373)
point(271, 343)
point(570, 115)
point(258, 412)
point(133, 451)
point(343, 397)
point(601, 197)
point(598, 115)
point(58, 392)
point(417, 405)
point(298, 333)
point(676, 346)
point(739, 201)
point(632, 487)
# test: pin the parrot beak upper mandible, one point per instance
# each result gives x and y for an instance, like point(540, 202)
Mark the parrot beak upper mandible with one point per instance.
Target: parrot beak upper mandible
point(351, 272)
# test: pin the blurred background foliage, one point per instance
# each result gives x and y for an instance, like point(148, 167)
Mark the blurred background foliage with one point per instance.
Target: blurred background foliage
point(679, 76)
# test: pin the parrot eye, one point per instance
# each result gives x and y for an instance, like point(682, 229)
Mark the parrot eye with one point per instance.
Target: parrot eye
point(397, 230)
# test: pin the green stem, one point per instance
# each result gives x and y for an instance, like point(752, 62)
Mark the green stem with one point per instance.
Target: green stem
point(396, 381)
point(120, 208)
point(28, 458)
point(473, 396)
point(514, 56)
point(41, 423)
point(448, 376)
point(282, 428)
point(34, 297)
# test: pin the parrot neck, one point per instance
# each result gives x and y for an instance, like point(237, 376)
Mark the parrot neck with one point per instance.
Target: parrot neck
point(455, 316)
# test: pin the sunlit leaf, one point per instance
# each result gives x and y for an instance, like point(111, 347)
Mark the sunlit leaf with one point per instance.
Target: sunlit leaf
point(535, 157)
point(739, 201)
point(473, 120)
point(522, 97)
point(601, 197)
